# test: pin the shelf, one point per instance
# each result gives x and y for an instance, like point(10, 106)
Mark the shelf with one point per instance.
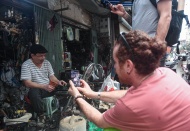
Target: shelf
point(11, 19)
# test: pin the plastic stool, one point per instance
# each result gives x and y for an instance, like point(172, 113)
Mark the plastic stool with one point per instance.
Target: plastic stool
point(50, 105)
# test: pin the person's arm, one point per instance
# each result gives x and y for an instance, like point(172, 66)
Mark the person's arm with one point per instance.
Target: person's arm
point(127, 17)
point(30, 84)
point(111, 96)
point(56, 81)
point(164, 8)
point(53, 78)
point(120, 10)
point(89, 111)
point(26, 78)
point(92, 113)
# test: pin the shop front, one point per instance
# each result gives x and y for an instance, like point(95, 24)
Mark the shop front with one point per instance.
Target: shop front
point(76, 40)
point(16, 37)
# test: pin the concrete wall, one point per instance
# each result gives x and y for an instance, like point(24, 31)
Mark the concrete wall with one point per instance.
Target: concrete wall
point(75, 12)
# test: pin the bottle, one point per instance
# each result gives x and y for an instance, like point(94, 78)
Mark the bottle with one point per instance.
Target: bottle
point(12, 12)
point(5, 14)
point(9, 13)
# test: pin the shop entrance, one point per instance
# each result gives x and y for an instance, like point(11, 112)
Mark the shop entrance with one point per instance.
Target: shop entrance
point(78, 52)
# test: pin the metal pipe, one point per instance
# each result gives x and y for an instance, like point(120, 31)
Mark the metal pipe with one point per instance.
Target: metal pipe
point(125, 23)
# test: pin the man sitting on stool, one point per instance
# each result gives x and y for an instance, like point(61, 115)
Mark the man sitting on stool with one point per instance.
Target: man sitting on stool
point(36, 73)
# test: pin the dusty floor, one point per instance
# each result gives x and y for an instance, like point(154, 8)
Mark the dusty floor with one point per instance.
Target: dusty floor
point(49, 124)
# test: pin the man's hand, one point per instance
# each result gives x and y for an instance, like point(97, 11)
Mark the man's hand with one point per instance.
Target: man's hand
point(73, 90)
point(48, 88)
point(62, 83)
point(118, 9)
point(85, 89)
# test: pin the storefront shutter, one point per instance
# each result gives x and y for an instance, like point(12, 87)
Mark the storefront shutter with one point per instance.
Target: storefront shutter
point(51, 39)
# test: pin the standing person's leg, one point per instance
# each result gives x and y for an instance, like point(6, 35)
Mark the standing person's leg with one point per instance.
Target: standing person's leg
point(163, 60)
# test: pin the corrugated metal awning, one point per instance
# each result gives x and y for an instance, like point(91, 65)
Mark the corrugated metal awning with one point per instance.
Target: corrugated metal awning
point(126, 3)
point(100, 6)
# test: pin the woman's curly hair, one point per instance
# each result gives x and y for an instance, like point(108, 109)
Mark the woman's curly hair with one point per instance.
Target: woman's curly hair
point(145, 51)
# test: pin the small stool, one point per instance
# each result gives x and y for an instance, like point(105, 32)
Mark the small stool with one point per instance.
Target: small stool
point(51, 105)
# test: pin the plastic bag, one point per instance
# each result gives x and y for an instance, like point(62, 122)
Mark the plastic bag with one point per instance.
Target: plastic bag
point(93, 127)
point(111, 129)
point(109, 84)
